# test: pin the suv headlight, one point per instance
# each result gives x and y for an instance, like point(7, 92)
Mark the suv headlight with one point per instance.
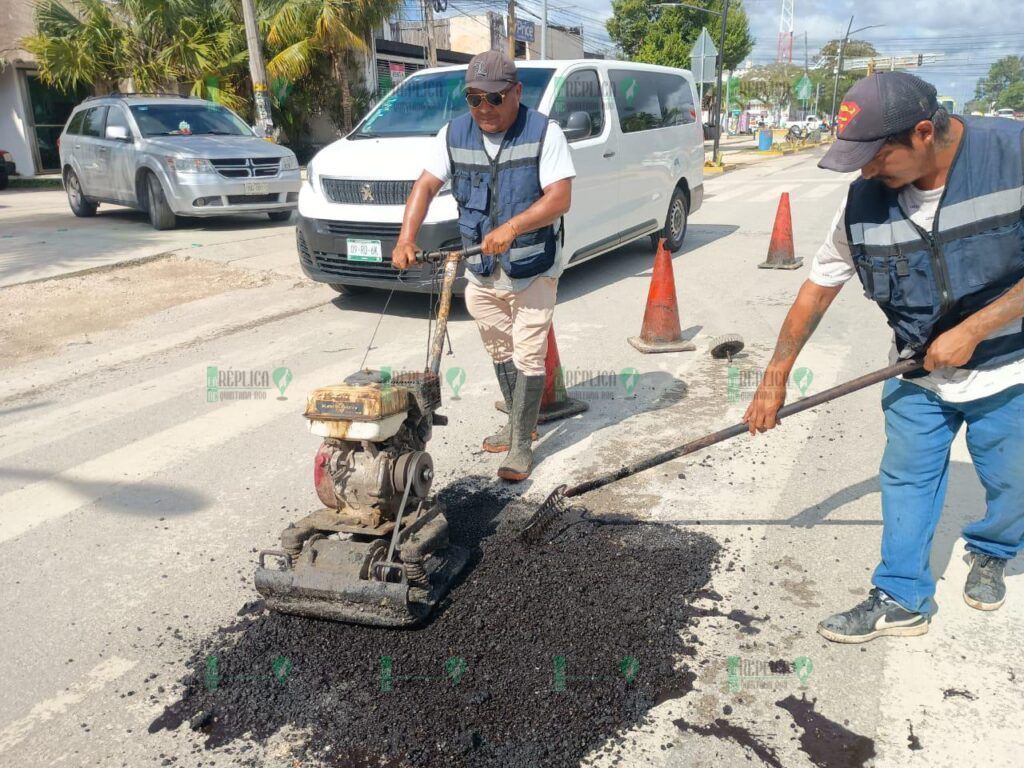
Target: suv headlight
point(289, 163)
point(190, 164)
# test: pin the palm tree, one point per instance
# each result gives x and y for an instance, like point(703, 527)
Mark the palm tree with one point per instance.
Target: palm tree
point(305, 31)
point(153, 45)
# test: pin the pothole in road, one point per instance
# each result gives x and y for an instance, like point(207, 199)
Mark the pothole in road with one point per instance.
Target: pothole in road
point(538, 657)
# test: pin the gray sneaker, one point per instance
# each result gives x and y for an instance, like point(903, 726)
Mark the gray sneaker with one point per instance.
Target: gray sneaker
point(985, 589)
point(877, 616)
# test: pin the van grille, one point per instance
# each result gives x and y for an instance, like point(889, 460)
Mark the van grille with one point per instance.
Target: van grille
point(338, 264)
point(366, 192)
point(247, 167)
point(369, 229)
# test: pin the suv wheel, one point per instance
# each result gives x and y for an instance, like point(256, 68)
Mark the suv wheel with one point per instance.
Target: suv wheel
point(675, 223)
point(160, 214)
point(80, 204)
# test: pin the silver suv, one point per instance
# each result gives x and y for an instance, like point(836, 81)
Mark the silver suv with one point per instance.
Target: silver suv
point(171, 156)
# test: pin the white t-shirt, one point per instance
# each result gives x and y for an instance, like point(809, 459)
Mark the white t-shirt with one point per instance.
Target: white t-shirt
point(555, 165)
point(833, 266)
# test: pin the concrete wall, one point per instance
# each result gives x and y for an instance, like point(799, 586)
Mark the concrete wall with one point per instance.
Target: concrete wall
point(15, 133)
point(469, 34)
point(561, 45)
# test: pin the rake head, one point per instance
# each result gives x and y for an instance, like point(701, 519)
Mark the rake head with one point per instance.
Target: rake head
point(554, 506)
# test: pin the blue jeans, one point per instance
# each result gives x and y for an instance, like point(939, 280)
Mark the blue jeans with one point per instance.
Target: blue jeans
point(920, 428)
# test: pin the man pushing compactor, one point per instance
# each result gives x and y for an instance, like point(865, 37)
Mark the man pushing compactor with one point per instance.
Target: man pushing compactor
point(934, 230)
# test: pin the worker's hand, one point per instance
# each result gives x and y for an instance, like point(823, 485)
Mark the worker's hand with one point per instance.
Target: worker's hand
point(951, 349)
point(770, 396)
point(498, 240)
point(404, 255)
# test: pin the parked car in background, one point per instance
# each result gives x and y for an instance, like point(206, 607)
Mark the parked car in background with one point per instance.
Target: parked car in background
point(172, 156)
point(636, 143)
point(7, 168)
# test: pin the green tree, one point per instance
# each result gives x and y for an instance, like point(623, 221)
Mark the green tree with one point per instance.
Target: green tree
point(666, 35)
point(1012, 97)
point(306, 34)
point(148, 45)
point(828, 54)
point(1001, 75)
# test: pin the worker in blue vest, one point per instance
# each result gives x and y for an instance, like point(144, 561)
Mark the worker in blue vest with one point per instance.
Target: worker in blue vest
point(511, 174)
point(934, 230)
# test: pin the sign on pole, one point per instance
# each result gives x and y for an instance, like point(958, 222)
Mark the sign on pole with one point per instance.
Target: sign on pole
point(524, 30)
point(804, 88)
point(704, 58)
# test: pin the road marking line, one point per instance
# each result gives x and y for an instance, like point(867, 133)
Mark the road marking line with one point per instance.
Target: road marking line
point(43, 427)
point(97, 678)
point(729, 194)
point(822, 190)
point(74, 488)
point(771, 194)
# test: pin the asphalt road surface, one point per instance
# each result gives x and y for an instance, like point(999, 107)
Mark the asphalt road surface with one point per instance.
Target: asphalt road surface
point(132, 502)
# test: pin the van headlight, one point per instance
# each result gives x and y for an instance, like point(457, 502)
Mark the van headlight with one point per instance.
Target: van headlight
point(190, 164)
point(310, 175)
point(289, 163)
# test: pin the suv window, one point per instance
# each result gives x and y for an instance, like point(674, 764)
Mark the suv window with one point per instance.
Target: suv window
point(649, 100)
point(579, 92)
point(75, 124)
point(94, 119)
point(176, 118)
point(116, 116)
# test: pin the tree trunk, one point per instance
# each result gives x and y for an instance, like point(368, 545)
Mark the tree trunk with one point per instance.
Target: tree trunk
point(341, 75)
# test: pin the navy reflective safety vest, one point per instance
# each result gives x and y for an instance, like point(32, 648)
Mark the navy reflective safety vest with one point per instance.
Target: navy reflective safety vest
point(490, 192)
point(926, 282)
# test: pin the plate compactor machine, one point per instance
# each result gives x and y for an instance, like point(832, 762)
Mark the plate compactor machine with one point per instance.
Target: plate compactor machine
point(378, 552)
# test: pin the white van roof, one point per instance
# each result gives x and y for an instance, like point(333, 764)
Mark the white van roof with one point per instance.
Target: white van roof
point(563, 64)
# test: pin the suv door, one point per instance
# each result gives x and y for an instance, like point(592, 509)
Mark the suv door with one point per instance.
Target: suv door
point(120, 157)
point(87, 146)
point(592, 222)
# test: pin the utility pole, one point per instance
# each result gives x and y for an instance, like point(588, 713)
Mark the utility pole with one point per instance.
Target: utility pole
point(258, 72)
point(718, 84)
point(428, 28)
point(839, 69)
point(544, 30)
point(512, 29)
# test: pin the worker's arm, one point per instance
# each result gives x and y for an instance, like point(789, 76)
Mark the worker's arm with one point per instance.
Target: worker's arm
point(549, 207)
point(956, 346)
point(804, 316)
point(423, 192)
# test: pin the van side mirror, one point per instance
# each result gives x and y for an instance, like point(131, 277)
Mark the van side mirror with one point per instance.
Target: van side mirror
point(118, 133)
point(578, 126)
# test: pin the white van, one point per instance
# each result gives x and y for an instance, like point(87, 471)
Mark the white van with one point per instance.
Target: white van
point(636, 143)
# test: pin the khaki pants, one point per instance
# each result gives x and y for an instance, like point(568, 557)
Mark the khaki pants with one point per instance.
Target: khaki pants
point(514, 324)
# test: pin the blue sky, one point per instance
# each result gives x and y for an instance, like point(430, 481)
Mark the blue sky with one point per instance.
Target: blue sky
point(971, 33)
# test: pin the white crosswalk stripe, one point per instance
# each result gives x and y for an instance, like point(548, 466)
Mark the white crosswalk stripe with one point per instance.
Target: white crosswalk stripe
point(772, 193)
point(822, 190)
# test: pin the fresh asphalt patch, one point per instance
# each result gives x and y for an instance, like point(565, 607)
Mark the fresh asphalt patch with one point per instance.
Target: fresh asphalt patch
point(538, 657)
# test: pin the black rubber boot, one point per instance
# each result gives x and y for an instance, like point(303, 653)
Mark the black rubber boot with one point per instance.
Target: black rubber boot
point(501, 440)
point(518, 463)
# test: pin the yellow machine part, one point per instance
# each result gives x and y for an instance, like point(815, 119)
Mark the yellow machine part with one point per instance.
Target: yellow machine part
point(356, 402)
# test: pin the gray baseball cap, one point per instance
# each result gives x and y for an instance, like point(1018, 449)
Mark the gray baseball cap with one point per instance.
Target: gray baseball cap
point(491, 72)
point(874, 109)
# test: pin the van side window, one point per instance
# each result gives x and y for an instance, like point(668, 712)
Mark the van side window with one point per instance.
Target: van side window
point(94, 119)
point(75, 126)
point(580, 92)
point(636, 99)
point(676, 100)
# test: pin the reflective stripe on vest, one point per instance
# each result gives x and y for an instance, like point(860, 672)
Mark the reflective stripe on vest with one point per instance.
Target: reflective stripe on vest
point(928, 282)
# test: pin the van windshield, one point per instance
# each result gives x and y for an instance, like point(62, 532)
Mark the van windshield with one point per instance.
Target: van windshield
point(422, 105)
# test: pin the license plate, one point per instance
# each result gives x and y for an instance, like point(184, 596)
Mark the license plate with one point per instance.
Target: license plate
point(256, 188)
point(363, 250)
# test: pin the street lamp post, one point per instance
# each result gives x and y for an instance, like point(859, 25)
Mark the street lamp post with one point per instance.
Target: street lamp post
point(839, 61)
point(717, 103)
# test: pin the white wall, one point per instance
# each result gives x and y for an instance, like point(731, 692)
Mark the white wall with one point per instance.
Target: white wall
point(14, 130)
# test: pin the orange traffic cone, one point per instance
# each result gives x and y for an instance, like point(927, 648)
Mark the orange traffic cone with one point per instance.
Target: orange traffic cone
point(780, 250)
point(660, 331)
point(555, 403)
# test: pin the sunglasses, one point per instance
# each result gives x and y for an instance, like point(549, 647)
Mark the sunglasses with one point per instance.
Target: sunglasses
point(494, 99)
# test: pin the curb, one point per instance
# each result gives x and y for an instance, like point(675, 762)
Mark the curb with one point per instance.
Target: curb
point(92, 270)
point(20, 182)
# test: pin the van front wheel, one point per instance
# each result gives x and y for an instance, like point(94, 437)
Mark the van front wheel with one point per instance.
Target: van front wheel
point(675, 223)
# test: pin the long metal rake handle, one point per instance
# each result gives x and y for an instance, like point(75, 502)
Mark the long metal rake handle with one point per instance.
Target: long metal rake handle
point(904, 366)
